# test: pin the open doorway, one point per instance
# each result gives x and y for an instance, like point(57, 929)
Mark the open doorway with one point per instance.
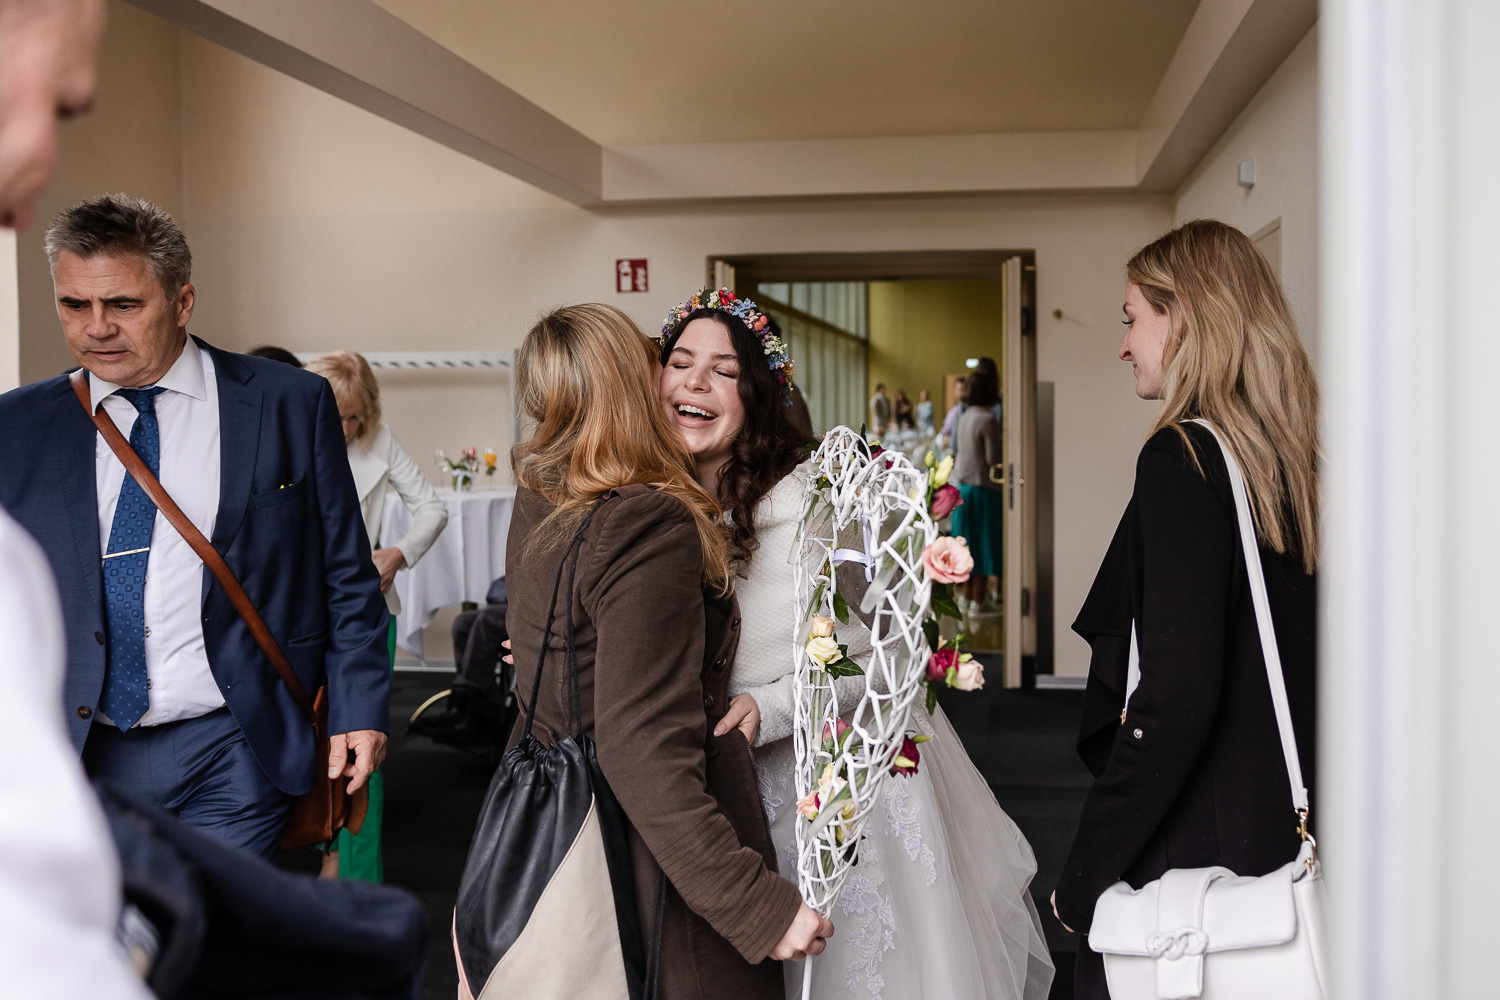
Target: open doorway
point(915, 321)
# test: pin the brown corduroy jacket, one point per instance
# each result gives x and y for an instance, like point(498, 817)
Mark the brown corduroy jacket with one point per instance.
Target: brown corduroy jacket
point(654, 654)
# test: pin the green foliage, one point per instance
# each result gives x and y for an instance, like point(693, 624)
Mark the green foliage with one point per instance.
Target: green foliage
point(840, 608)
point(844, 667)
point(817, 601)
point(943, 602)
point(930, 630)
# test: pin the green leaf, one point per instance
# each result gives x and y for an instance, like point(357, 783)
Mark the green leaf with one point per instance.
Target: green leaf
point(930, 630)
point(845, 667)
point(931, 698)
point(817, 602)
point(943, 604)
point(840, 608)
point(844, 648)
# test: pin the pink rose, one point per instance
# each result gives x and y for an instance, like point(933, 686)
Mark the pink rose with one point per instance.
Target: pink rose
point(907, 760)
point(942, 660)
point(944, 499)
point(948, 560)
point(807, 806)
point(835, 729)
point(968, 674)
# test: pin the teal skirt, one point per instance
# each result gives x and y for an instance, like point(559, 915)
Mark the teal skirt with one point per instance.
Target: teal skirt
point(980, 520)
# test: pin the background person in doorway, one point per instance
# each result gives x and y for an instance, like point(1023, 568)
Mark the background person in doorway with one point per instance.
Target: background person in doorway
point(1208, 332)
point(950, 420)
point(378, 461)
point(924, 413)
point(880, 411)
point(981, 517)
point(901, 411)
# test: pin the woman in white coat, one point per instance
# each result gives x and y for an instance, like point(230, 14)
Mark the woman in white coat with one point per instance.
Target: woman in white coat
point(378, 461)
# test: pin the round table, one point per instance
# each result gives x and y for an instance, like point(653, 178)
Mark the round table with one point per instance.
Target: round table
point(466, 558)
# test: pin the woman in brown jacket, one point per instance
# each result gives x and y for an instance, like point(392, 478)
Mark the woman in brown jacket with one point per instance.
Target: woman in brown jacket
point(655, 633)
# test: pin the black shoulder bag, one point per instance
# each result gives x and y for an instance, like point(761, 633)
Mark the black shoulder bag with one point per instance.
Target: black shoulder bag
point(547, 905)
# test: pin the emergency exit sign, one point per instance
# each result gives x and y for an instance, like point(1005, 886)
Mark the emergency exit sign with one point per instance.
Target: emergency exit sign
point(630, 275)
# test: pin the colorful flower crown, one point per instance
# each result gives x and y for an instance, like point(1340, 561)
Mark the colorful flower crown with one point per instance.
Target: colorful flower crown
point(747, 312)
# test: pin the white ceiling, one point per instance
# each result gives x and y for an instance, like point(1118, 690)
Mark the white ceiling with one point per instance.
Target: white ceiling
point(671, 71)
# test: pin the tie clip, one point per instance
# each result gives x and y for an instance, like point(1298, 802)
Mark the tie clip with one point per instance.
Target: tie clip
point(127, 552)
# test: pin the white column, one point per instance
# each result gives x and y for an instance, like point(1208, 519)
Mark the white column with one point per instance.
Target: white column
point(10, 313)
point(1410, 690)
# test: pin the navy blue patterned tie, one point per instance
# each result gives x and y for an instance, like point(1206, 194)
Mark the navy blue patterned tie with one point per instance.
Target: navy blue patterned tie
point(125, 697)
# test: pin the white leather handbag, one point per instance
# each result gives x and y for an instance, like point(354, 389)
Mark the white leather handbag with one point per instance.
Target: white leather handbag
point(1206, 932)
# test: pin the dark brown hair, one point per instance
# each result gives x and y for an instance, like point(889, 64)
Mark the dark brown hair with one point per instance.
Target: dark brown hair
point(768, 446)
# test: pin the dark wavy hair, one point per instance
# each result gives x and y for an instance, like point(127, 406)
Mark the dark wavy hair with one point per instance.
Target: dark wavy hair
point(768, 446)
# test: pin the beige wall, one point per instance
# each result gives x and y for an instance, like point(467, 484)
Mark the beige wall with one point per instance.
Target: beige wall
point(131, 141)
point(315, 225)
point(1278, 130)
point(921, 331)
point(318, 225)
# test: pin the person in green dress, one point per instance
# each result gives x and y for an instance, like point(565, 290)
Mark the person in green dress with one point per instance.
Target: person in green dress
point(378, 462)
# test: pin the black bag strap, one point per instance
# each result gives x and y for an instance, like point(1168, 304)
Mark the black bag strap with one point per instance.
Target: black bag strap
point(570, 661)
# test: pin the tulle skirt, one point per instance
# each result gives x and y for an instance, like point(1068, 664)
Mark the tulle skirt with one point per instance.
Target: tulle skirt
point(938, 907)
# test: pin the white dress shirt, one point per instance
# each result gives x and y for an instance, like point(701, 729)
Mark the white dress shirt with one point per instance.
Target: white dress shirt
point(59, 877)
point(180, 683)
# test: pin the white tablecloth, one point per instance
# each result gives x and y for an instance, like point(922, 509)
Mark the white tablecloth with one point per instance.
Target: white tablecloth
point(466, 558)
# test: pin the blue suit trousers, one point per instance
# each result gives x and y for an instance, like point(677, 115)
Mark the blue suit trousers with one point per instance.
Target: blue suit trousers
point(202, 770)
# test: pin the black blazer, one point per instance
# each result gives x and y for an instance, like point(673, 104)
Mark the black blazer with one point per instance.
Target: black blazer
point(1195, 777)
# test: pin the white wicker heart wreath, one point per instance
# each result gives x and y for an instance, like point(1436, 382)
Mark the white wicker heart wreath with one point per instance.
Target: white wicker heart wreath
point(871, 509)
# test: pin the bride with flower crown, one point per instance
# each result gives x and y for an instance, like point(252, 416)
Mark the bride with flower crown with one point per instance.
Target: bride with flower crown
point(938, 906)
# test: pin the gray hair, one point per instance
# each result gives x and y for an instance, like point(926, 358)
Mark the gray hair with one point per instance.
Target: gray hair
point(119, 225)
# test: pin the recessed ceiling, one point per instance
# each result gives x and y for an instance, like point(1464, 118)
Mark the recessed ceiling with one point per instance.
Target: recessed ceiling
point(665, 71)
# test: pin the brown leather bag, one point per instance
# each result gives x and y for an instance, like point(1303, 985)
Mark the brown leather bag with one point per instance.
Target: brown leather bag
point(319, 814)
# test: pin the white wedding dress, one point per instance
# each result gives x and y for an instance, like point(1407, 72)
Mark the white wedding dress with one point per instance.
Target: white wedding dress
point(938, 906)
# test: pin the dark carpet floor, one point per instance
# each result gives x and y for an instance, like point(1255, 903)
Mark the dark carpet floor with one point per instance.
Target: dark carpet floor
point(1021, 741)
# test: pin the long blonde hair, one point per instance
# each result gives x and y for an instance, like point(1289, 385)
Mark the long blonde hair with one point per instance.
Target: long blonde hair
point(353, 383)
point(586, 375)
point(1234, 358)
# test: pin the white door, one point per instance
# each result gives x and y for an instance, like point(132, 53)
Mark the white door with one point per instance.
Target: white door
point(1014, 376)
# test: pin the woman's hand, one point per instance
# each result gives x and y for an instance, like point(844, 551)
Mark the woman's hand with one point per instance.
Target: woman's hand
point(808, 935)
point(1059, 915)
point(387, 561)
point(743, 713)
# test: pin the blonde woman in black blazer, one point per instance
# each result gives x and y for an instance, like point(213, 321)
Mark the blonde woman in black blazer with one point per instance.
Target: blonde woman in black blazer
point(1191, 774)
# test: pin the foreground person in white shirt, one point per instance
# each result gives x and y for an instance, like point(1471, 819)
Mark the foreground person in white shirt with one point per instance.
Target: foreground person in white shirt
point(59, 878)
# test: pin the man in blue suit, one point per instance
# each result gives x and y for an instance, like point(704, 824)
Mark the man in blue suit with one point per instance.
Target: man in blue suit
point(167, 692)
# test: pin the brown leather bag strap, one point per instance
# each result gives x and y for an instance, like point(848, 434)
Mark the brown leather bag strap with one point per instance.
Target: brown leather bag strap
point(190, 534)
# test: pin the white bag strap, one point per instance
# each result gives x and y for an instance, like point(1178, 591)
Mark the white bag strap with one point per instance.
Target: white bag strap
point(1263, 621)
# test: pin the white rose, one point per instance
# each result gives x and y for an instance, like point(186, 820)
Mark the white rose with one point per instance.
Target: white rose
point(821, 627)
point(969, 674)
point(822, 650)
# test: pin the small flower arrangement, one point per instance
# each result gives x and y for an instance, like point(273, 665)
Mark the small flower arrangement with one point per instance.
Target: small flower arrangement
point(464, 468)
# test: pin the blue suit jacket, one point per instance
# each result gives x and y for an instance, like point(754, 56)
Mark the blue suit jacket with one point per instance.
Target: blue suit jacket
point(288, 525)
